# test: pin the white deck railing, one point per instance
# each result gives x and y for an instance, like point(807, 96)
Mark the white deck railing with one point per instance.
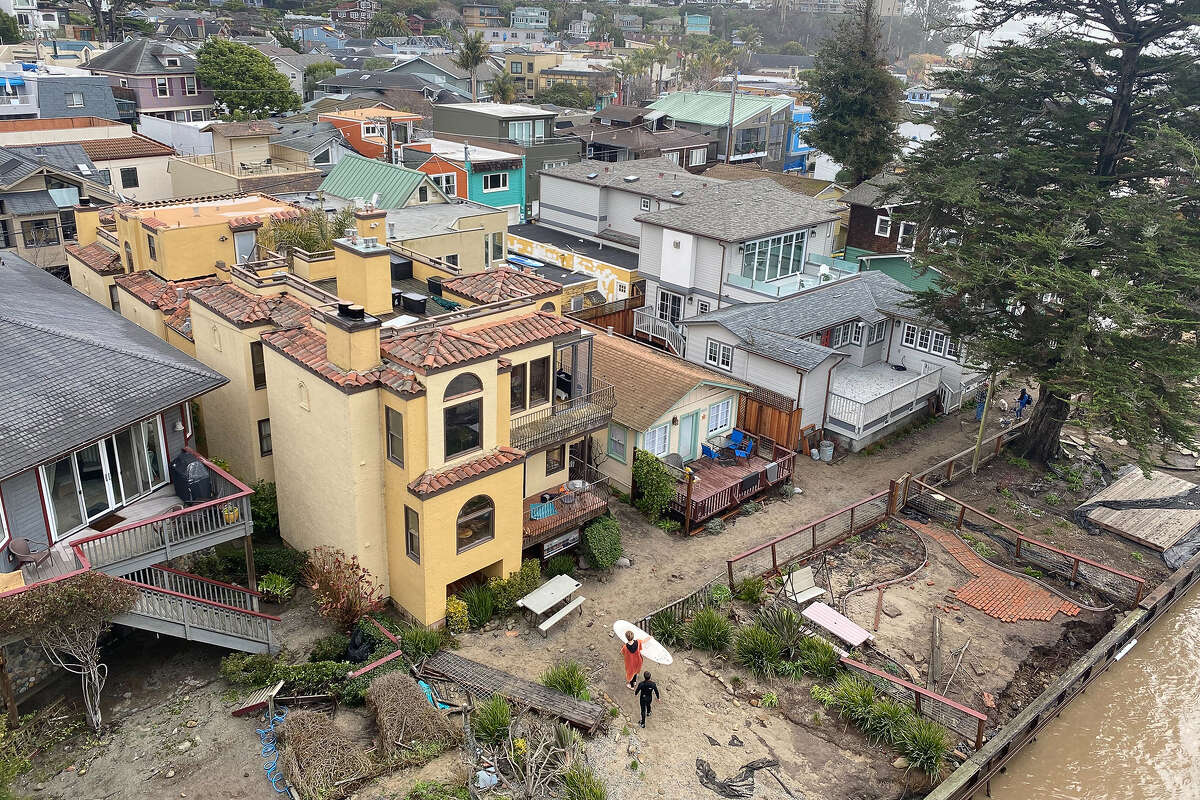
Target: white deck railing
point(645, 321)
point(859, 418)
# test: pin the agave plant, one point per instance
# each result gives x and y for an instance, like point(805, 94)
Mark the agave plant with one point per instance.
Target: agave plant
point(785, 624)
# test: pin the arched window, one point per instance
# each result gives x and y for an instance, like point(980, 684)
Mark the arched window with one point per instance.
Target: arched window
point(476, 522)
point(462, 385)
point(128, 257)
point(548, 306)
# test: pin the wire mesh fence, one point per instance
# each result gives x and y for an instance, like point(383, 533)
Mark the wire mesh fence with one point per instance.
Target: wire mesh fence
point(951, 715)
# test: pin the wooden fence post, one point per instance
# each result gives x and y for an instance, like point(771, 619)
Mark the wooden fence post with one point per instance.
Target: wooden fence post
point(962, 512)
point(729, 567)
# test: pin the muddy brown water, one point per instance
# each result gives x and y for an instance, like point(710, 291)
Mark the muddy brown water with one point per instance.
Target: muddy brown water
point(1135, 734)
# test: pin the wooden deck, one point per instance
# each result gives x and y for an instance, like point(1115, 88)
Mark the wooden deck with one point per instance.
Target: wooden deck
point(1150, 524)
point(713, 478)
point(588, 505)
point(717, 487)
point(483, 681)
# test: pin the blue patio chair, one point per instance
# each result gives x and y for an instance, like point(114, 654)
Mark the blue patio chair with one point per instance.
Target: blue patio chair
point(542, 510)
point(744, 449)
point(735, 438)
point(708, 452)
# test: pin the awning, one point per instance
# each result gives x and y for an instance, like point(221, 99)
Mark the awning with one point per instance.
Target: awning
point(10, 80)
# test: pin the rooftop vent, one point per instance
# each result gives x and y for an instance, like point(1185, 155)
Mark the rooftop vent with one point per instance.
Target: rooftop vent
point(677, 193)
point(591, 176)
point(351, 311)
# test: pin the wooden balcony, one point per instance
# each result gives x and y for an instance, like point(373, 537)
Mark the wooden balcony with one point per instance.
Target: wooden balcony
point(584, 499)
point(564, 419)
point(708, 487)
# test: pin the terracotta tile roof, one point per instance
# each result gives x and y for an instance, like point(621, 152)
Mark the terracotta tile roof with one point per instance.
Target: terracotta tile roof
point(433, 482)
point(289, 213)
point(97, 258)
point(504, 283)
point(306, 346)
point(436, 348)
point(154, 223)
point(248, 221)
point(128, 147)
point(518, 331)
point(244, 308)
point(180, 320)
point(158, 292)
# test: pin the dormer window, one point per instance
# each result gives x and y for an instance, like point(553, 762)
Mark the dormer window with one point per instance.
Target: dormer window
point(172, 62)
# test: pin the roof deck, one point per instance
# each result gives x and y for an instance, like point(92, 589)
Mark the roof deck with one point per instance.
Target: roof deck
point(211, 211)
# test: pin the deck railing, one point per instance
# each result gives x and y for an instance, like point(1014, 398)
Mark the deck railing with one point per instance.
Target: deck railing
point(207, 615)
point(175, 533)
point(647, 322)
point(860, 418)
point(563, 419)
point(590, 501)
point(226, 594)
point(696, 510)
point(241, 169)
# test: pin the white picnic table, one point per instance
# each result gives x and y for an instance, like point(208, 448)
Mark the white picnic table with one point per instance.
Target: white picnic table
point(549, 594)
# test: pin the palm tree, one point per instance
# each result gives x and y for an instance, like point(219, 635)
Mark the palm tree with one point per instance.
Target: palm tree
point(503, 89)
point(660, 54)
point(626, 68)
point(752, 41)
point(471, 53)
point(387, 24)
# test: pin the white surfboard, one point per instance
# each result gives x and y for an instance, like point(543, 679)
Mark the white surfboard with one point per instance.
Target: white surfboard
point(651, 649)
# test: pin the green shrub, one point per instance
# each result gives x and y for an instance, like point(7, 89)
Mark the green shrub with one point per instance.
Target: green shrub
point(264, 507)
point(710, 630)
point(668, 525)
point(769, 700)
point(818, 658)
point(457, 615)
point(432, 790)
point(491, 719)
point(888, 721)
point(750, 507)
point(758, 650)
point(275, 588)
point(247, 670)
point(654, 485)
point(317, 677)
point(785, 624)
point(481, 604)
point(508, 591)
point(714, 526)
point(581, 783)
point(418, 643)
point(1051, 498)
point(567, 677)
point(751, 590)
point(281, 560)
point(925, 745)
point(853, 698)
point(668, 629)
point(720, 595)
point(13, 761)
point(330, 648)
point(560, 565)
point(1033, 572)
point(603, 541)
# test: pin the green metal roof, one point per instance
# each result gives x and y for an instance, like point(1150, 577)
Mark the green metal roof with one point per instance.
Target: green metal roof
point(712, 108)
point(902, 270)
point(356, 176)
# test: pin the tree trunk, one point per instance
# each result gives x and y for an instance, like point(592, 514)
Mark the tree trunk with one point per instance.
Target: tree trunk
point(1040, 439)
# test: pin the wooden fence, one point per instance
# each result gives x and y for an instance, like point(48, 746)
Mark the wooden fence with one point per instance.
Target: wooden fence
point(760, 413)
point(950, 468)
point(684, 607)
point(618, 315)
point(802, 543)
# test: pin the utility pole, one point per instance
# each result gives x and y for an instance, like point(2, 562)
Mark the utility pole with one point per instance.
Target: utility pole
point(987, 402)
point(387, 125)
point(732, 100)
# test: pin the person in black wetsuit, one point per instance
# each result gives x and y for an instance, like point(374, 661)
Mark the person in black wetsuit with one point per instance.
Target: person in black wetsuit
point(644, 691)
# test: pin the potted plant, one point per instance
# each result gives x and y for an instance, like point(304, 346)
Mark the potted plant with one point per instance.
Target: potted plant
point(231, 513)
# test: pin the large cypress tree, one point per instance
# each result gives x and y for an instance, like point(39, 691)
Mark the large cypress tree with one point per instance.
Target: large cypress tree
point(1062, 203)
point(858, 105)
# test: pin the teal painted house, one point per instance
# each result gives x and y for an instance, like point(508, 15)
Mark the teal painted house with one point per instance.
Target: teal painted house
point(492, 177)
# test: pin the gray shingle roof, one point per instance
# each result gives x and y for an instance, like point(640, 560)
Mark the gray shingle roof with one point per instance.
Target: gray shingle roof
point(445, 63)
point(873, 192)
point(744, 210)
point(143, 57)
point(656, 177)
point(25, 204)
point(760, 326)
point(65, 156)
point(74, 371)
point(307, 136)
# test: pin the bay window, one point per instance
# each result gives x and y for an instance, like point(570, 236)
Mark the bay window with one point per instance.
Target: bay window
point(776, 257)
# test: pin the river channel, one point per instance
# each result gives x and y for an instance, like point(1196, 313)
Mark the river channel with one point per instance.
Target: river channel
point(1135, 734)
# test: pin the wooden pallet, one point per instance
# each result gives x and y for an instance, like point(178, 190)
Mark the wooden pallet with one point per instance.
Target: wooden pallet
point(258, 701)
point(485, 681)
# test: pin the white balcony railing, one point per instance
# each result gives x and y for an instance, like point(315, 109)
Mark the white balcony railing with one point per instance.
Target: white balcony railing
point(647, 322)
point(860, 418)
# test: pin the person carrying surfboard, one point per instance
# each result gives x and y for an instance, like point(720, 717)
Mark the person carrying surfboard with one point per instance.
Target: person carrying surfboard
point(632, 651)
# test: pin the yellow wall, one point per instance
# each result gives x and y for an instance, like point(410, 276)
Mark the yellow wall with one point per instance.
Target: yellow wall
point(89, 282)
point(468, 244)
point(185, 252)
point(133, 309)
point(329, 465)
point(193, 180)
point(613, 281)
point(233, 410)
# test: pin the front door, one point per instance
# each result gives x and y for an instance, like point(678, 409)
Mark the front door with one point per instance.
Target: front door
point(687, 436)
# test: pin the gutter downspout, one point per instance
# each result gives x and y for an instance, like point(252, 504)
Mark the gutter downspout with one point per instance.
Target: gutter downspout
point(828, 384)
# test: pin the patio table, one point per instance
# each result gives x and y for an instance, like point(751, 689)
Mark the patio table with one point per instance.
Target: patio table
point(549, 594)
point(834, 623)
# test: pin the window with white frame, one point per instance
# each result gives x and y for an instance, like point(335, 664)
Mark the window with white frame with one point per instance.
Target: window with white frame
point(697, 157)
point(907, 236)
point(656, 441)
point(910, 335)
point(937, 343)
point(841, 335)
point(952, 349)
point(719, 354)
point(672, 156)
point(856, 333)
point(495, 182)
point(161, 87)
point(931, 341)
point(447, 182)
point(878, 331)
point(720, 416)
point(617, 441)
point(703, 306)
point(372, 130)
point(776, 257)
point(883, 225)
point(923, 339)
point(645, 202)
point(189, 85)
point(74, 99)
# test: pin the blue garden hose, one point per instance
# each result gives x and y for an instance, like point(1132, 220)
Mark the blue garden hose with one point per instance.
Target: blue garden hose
point(267, 737)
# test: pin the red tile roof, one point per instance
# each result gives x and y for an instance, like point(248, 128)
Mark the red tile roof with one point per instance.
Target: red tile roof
point(306, 346)
point(433, 482)
point(135, 146)
point(153, 223)
point(517, 331)
point(287, 213)
point(248, 221)
point(244, 308)
point(157, 292)
point(503, 283)
point(436, 348)
point(97, 258)
point(180, 320)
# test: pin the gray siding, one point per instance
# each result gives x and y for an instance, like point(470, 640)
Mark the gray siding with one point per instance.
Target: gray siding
point(175, 440)
point(571, 205)
point(650, 253)
point(23, 510)
point(622, 208)
point(709, 271)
